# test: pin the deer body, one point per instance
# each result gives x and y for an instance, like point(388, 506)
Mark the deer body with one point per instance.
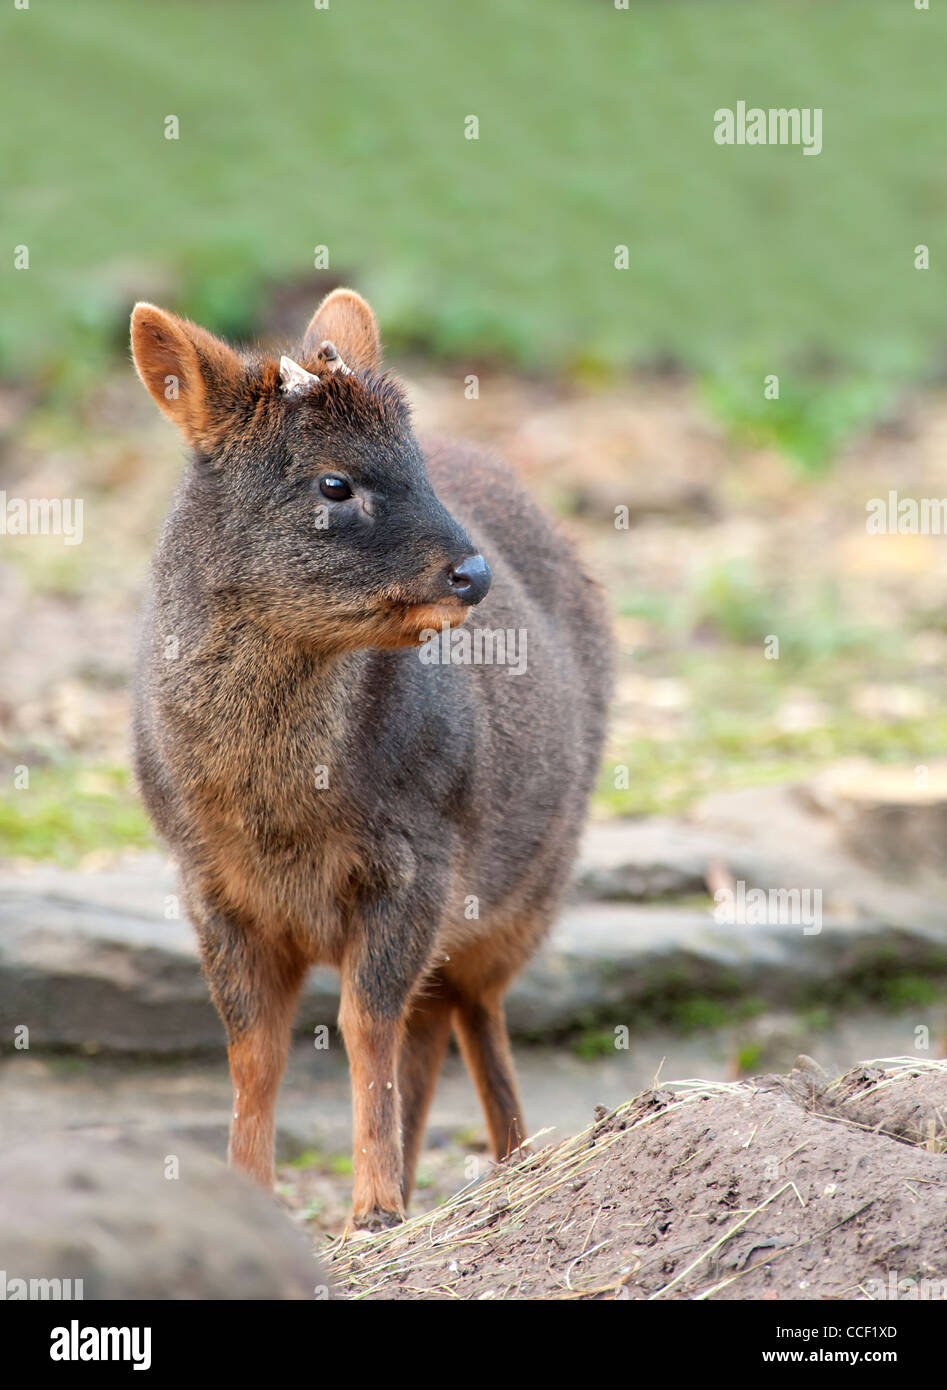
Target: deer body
point(331, 798)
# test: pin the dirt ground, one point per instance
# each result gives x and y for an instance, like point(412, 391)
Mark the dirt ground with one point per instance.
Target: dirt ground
point(779, 1188)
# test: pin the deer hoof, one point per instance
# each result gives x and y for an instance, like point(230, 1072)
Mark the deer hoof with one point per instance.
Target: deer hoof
point(377, 1220)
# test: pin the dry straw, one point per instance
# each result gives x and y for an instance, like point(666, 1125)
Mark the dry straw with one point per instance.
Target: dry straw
point(499, 1203)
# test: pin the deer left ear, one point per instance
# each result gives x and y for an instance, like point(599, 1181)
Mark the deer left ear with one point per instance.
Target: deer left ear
point(192, 376)
point(346, 320)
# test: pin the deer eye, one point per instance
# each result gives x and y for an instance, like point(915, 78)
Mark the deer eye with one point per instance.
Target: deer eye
point(334, 487)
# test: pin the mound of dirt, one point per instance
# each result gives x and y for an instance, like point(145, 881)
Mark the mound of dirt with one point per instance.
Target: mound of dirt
point(906, 1103)
point(776, 1188)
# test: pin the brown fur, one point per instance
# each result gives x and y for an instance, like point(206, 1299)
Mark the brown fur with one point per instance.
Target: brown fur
point(331, 799)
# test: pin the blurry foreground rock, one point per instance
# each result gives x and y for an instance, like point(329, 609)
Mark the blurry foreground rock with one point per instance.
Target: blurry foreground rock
point(103, 1209)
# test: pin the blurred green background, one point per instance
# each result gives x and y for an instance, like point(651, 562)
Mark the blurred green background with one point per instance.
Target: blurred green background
point(344, 128)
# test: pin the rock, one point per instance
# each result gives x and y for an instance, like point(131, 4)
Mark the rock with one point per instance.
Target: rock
point(78, 974)
point(102, 1209)
point(90, 961)
point(893, 818)
point(643, 861)
point(787, 835)
point(94, 960)
point(611, 960)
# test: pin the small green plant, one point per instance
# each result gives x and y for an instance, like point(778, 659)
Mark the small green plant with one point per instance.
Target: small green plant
point(732, 600)
point(695, 1015)
point(309, 1158)
point(594, 1043)
point(317, 1161)
point(70, 809)
point(749, 1057)
point(908, 990)
point(810, 421)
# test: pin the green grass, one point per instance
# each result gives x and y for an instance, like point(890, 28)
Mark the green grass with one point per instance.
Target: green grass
point(593, 1043)
point(810, 419)
point(710, 637)
point(672, 1002)
point(730, 735)
point(668, 777)
point(70, 810)
point(50, 568)
point(339, 1164)
point(749, 1058)
point(731, 601)
point(344, 127)
point(909, 991)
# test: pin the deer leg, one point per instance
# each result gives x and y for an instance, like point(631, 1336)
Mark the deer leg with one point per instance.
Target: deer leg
point(426, 1035)
point(485, 1044)
point(255, 987)
point(373, 1043)
point(381, 973)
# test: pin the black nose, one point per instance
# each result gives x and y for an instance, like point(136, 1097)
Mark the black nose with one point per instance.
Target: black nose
point(471, 579)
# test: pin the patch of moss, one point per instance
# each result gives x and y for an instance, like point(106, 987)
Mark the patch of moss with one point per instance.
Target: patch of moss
point(593, 1043)
point(314, 1159)
point(666, 777)
point(808, 422)
point(70, 809)
point(749, 1058)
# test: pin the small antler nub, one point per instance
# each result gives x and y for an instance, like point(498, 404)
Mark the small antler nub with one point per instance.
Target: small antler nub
point(294, 379)
point(330, 355)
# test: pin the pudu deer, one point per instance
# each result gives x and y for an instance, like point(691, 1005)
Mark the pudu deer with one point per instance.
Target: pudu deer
point(330, 797)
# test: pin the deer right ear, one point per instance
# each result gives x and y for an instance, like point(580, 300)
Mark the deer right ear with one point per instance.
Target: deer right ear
point(194, 377)
point(347, 321)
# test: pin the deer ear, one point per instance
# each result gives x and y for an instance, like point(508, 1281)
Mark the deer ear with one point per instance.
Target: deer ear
point(194, 377)
point(347, 321)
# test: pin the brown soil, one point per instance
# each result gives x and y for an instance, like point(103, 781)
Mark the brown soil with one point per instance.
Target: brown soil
point(778, 1188)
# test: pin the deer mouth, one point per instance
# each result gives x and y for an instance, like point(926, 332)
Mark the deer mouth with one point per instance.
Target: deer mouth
point(407, 624)
point(436, 613)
